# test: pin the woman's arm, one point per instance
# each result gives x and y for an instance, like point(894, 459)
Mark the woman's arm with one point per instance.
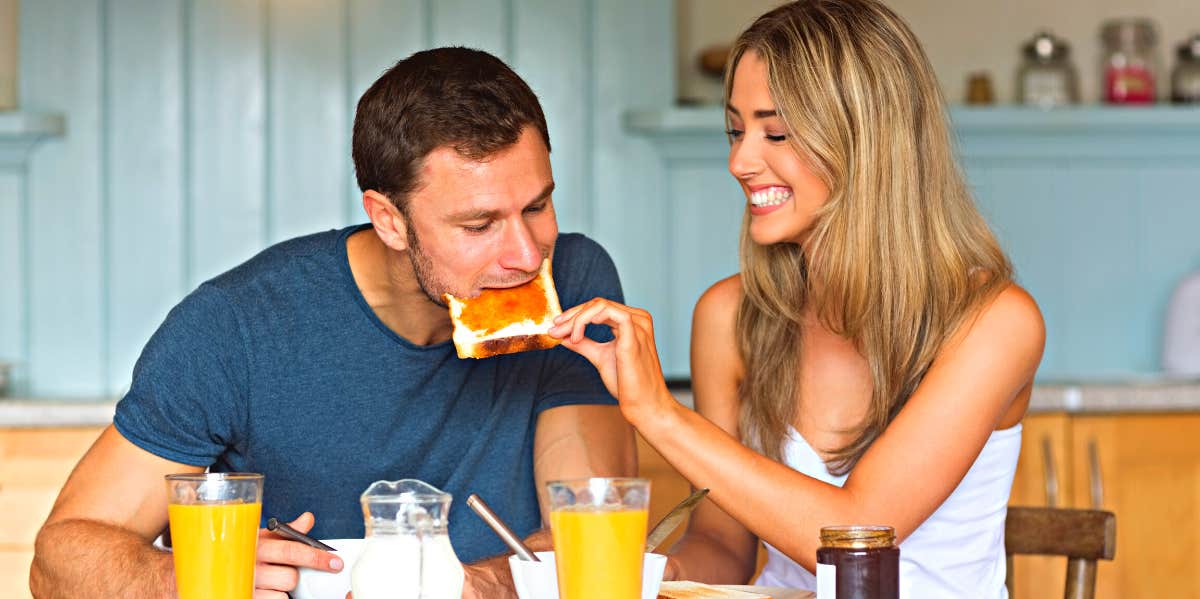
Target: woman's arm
point(909, 471)
point(716, 548)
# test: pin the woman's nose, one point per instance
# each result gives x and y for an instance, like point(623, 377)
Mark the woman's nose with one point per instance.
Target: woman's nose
point(745, 160)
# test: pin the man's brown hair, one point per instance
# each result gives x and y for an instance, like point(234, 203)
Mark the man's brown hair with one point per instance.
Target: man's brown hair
point(458, 97)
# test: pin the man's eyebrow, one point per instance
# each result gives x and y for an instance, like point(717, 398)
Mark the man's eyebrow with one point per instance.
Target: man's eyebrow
point(545, 195)
point(470, 215)
point(758, 114)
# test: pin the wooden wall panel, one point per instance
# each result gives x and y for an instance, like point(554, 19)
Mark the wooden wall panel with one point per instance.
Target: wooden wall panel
point(227, 146)
point(62, 70)
point(483, 24)
point(552, 48)
point(12, 271)
point(380, 32)
point(309, 127)
point(144, 151)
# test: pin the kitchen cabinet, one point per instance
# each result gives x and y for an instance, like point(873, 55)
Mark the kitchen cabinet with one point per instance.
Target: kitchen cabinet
point(34, 464)
point(1148, 470)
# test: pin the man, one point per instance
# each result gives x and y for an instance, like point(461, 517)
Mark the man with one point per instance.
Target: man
point(325, 361)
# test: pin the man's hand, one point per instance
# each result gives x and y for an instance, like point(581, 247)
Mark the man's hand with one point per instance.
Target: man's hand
point(279, 559)
point(489, 579)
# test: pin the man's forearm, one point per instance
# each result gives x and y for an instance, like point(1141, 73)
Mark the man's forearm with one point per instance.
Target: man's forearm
point(492, 578)
point(86, 558)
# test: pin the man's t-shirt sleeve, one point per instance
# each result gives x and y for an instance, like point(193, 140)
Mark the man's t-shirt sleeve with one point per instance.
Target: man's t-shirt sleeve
point(586, 272)
point(186, 402)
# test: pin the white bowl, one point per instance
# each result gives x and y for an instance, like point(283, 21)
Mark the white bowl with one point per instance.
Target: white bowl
point(539, 580)
point(318, 584)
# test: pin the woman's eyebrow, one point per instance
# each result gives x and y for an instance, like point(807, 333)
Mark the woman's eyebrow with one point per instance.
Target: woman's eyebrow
point(758, 114)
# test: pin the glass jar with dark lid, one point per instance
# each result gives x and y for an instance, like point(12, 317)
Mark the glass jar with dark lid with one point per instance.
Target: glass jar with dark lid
point(858, 562)
point(1185, 77)
point(1046, 77)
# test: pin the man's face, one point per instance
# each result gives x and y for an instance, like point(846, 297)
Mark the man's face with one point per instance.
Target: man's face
point(478, 224)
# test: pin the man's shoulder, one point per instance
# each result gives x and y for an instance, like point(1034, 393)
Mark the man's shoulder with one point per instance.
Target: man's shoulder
point(583, 270)
point(573, 248)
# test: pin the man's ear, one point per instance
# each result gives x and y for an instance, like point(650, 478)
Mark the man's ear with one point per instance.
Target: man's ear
point(389, 223)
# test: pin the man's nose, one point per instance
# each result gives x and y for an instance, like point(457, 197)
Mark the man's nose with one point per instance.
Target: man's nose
point(520, 251)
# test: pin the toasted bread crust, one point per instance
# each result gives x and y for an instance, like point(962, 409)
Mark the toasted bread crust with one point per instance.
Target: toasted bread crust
point(695, 590)
point(506, 345)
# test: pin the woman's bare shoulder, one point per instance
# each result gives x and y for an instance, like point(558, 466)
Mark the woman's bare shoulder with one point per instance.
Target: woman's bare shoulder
point(717, 367)
point(720, 301)
point(1008, 326)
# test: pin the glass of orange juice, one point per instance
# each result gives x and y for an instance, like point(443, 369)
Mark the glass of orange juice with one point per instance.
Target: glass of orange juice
point(599, 530)
point(214, 533)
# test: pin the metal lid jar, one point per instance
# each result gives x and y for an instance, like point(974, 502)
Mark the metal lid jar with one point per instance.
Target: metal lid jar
point(1046, 77)
point(1185, 77)
point(858, 562)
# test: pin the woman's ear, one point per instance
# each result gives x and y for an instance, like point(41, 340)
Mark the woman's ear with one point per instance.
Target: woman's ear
point(389, 223)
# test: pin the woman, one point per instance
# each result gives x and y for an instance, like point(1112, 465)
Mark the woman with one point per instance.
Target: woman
point(872, 361)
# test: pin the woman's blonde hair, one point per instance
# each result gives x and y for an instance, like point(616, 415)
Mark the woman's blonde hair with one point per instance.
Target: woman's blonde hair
point(898, 257)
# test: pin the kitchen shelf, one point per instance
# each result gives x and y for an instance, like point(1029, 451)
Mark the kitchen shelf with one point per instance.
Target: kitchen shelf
point(1164, 131)
point(21, 131)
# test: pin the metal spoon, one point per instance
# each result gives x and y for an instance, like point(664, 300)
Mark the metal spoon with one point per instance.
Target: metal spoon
point(502, 530)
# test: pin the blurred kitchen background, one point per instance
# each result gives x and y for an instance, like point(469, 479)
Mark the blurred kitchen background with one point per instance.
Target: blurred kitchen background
point(148, 145)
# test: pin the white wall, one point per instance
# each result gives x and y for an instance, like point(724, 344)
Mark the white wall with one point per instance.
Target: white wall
point(960, 36)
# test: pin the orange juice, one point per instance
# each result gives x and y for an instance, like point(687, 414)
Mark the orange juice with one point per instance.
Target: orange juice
point(214, 549)
point(598, 552)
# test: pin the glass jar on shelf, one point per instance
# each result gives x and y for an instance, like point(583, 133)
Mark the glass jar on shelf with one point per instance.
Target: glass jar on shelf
point(1130, 65)
point(1185, 77)
point(1046, 77)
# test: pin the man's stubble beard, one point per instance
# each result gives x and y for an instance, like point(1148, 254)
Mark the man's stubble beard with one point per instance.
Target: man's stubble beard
point(423, 269)
point(430, 284)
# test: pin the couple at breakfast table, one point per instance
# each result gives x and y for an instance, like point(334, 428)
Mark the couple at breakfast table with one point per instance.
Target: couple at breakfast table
point(869, 363)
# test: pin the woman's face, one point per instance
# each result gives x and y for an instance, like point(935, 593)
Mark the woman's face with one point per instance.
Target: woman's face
point(783, 191)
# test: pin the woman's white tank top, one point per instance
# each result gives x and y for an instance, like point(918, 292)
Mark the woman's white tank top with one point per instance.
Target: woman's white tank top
point(957, 552)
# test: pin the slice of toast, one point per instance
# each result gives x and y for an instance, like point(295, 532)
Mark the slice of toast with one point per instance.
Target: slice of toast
point(684, 589)
point(506, 321)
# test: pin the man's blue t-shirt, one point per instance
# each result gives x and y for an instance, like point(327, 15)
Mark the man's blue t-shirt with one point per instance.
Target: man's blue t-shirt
point(279, 366)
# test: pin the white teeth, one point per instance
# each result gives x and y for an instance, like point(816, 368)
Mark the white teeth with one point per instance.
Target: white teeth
point(771, 197)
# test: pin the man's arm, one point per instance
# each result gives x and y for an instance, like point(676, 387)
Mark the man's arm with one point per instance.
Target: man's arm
point(97, 541)
point(571, 442)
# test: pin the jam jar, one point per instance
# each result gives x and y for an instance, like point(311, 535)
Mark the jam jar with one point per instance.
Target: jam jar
point(858, 562)
point(1130, 67)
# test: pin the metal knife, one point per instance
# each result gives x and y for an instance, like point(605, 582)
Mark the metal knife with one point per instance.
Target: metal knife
point(669, 522)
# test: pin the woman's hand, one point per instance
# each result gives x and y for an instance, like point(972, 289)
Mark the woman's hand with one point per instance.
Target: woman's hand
point(629, 363)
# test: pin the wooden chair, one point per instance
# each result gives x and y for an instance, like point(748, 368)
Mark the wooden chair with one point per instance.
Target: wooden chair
point(1083, 536)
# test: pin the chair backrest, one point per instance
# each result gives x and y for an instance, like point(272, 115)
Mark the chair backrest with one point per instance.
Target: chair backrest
point(1082, 536)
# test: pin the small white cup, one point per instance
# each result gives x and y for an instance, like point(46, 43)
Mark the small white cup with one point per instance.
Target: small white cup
point(318, 584)
point(539, 580)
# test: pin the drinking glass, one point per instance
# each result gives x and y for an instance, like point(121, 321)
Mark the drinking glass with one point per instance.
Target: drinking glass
point(214, 532)
point(599, 531)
